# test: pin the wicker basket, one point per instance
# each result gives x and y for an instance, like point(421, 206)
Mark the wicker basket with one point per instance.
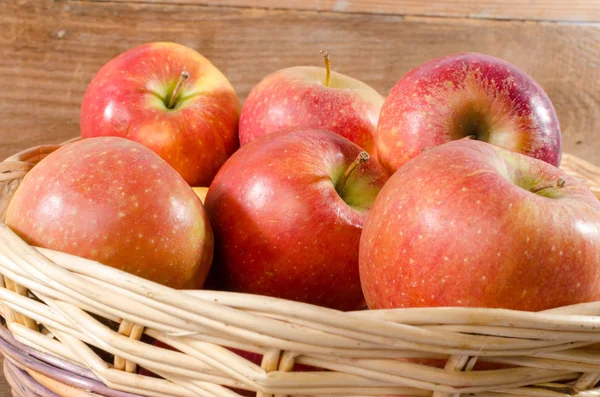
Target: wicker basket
point(58, 310)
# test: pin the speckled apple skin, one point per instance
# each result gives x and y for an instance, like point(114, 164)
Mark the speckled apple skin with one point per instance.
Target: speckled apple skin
point(281, 229)
point(452, 228)
point(298, 97)
point(195, 138)
point(437, 101)
point(115, 201)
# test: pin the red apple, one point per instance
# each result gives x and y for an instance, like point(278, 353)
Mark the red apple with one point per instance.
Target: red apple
point(144, 95)
point(115, 201)
point(467, 94)
point(287, 222)
point(471, 224)
point(305, 96)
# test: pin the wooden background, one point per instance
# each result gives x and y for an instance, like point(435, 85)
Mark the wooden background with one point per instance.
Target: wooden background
point(51, 49)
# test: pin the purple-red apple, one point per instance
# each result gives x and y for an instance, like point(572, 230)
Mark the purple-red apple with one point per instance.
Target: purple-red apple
point(171, 99)
point(467, 95)
point(115, 201)
point(314, 97)
point(471, 224)
point(287, 211)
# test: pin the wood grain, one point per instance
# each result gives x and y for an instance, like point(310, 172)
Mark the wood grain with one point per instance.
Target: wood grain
point(4, 387)
point(548, 10)
point(51, 50)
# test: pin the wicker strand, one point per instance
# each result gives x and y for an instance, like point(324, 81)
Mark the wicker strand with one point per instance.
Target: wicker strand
point(270, 362)
point(587, 381)
point(454, 363)
point(286, 364)
point(21, 319)
point(131, 331)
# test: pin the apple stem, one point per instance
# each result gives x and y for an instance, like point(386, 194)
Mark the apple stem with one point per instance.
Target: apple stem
point(325, 55)
point(560, 183)
point(362, 157)
point(182, 77)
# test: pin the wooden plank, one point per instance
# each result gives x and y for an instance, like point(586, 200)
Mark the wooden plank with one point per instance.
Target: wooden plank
point(541, 10)
point(50, 50)
point(5, 390)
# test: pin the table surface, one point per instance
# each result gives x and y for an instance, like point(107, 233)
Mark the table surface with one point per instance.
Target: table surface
point(52, 49)
point(4, 388)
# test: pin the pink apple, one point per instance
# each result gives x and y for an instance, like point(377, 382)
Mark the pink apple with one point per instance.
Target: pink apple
point(287, 221)
point(144, 95)
point(467, 94)
point(115, 201)
point(471, 224)
point(305, 96)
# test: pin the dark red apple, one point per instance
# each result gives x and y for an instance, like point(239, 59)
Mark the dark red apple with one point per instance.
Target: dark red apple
point(171, 99)
point(115, 201)
point(467, 94)
point(308, 96)
point(287, 211)
point(471, 224)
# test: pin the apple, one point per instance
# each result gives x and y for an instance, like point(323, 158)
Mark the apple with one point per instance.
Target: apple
point(287, 211)
point(115, 201)
point(462, 95)
point(307, 96)
point(171, 99)
point(471, 224)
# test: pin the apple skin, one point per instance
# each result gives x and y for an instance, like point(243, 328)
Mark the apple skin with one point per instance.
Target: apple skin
point(195, 137)
point(459, 226)
point(115, 201)
point(298, 96)
point(282, 229)
point(467, 94)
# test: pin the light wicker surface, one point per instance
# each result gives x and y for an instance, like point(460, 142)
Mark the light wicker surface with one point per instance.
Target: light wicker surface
point(53, 302)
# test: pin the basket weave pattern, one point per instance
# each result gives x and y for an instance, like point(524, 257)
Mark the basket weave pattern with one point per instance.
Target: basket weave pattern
point(57, 304)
